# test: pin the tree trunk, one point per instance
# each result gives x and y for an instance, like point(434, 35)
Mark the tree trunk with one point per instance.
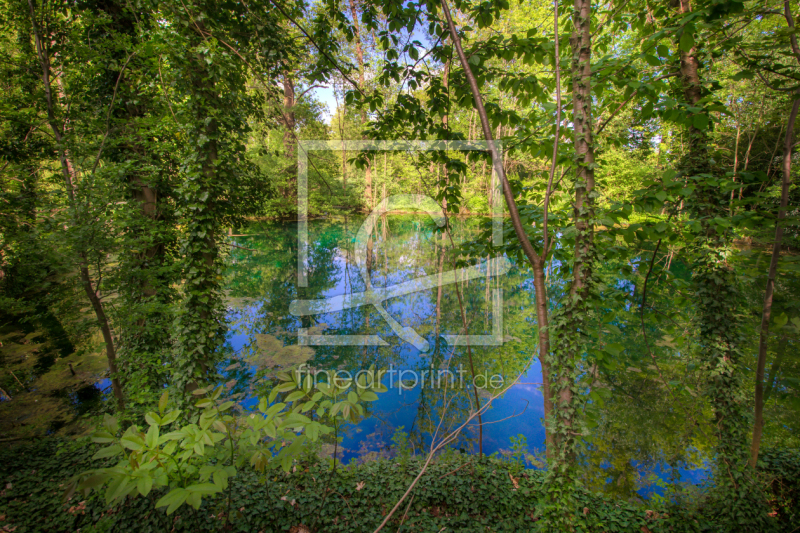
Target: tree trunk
point(360, 58)
point(773, 273)
point(288, 114)
point(69, 173)
point(522, 237)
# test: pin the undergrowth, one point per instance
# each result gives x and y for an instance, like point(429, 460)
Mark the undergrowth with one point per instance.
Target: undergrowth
point(458, 493)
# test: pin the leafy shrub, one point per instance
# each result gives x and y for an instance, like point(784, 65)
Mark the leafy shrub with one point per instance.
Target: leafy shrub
point(198, 459)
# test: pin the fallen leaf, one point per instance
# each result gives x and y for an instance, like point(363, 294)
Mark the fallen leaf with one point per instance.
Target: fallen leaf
point(514, 481)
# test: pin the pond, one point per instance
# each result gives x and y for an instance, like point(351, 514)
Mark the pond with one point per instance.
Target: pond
point(642, 434)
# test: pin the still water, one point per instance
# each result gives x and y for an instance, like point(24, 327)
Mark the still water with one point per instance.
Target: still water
point(641, 435)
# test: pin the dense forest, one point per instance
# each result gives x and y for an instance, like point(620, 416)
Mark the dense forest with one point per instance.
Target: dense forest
point(594, 202)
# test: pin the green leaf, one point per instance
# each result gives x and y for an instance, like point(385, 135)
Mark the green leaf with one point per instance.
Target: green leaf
point(162, 402)
point(170, 417)
point(285, 387)
point(275, 408)
point(203, 488)
point(132, 441)
point(700, 121)
point(687, 41)
point(152, 419)
point(743, 75)
point(173, 499)
point(102, 437)
point(651, 60)
point(227, 405)
point(110, 423)
point(108, 451)
point(152, 437)
point(613, 348)
point(369, 396)
point(144, 485)
point(296, 395)
point(221, 479)
point(194, 499)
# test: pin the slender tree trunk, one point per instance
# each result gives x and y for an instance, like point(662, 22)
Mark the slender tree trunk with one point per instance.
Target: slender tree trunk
point(768, 293)
point(289, 140)
point(69, 173)
point(533, 258)
point(360, 58)
point(288, 114)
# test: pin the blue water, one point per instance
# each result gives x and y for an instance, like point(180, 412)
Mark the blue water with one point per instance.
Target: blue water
point(265, 283)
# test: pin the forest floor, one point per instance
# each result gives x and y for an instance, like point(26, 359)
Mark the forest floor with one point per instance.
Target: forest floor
point(457, 493)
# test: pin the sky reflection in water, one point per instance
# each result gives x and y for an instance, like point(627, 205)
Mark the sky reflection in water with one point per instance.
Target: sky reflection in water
point(262, 283)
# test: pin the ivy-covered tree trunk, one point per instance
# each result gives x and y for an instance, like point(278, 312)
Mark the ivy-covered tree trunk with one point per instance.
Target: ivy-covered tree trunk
point(144, 276)
point(719, 327)
point(570, 322)
point(201, 319)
